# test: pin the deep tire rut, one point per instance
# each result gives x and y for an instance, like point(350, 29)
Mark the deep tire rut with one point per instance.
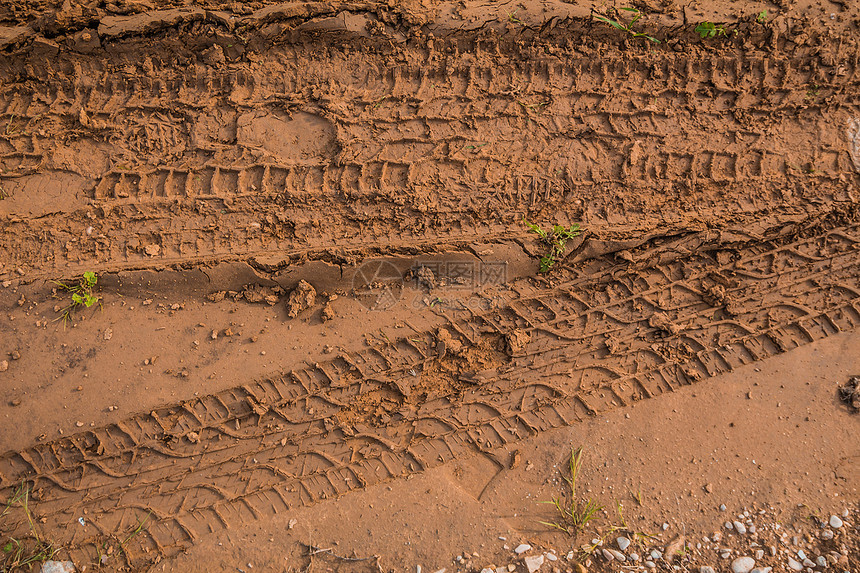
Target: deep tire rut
point(134, 161)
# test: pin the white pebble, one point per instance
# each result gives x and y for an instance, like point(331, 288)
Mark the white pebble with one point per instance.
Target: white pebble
point(801, 554)
point(650, 564)
point(522, 548)
point(551, 556)
point(655, 555)
point(729, 525)
point(607, 555)
point(722, 507)
point(759, 554)
point(623, 543)
point(740, 527)
point(835, 522)
point(796, 566)
point(743, 565)
point(634, 557)
point(808, 563)
point(821, 561)
point(827, 534)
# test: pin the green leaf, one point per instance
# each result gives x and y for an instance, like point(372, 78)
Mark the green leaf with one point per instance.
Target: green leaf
point(8, 548)
point(91, 300)
point(77, 299)
point(611, 22)
point(630, 10)
point(90, 277)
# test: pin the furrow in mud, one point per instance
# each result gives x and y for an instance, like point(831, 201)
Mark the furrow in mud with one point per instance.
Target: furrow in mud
point(549, 357)
point(141, 162)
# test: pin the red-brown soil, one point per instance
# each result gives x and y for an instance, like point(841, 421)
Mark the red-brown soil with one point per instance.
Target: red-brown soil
point(322, 342)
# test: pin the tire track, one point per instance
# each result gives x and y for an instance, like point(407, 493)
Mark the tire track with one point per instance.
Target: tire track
point(548, 358)
point(149, 162)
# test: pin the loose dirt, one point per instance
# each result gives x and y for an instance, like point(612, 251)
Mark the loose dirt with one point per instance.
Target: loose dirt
point(321, 341)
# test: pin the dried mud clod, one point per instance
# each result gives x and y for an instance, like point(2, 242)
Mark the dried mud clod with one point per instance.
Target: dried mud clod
point(850, 393)
point(447, 344)
point(516, 341)
point(302, 298)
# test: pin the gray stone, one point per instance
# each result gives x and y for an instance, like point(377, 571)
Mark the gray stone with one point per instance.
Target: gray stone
point(809, 563)
point(617, 554)
point(607, 555)
point(655, 555)
point(706, 569)
point(650, 565)
point(740, 527)
point(835, 522)
point(794, 565)
point(821, 561)
point(634, 557)
point(827, 534)
point(759, 554)
point(801, 554)
point(58, 567)
point(533, 562)
point(743, 565)
point(623, 543)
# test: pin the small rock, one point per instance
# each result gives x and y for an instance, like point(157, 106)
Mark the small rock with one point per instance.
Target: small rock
point(650, 565)
point(808, 563)
point(722, 507)
point(821, 561)
point(487, 570)
point(725, 554)
point(740, 527)
point(634, 557)
point(827, 534)
point(15, 355)
point(108, 333)
point(617, 554)
point(655, 555)
point(623, 543)
point(58, 567)
point(675, 547)
point(795, 565)
point(706, 569)
point(743, 565)
point(533, 562)
point(759, 554)
point(303, 297)
point(4, 365)
point(327, 312)
point(801, 554)
point(607, 555)
point(551, 556)
point(152, 250)
point(729, 525)
point(835, 522)
point(522, 548)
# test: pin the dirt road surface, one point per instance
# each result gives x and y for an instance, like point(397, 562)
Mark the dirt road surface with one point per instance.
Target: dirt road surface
point(316, 337)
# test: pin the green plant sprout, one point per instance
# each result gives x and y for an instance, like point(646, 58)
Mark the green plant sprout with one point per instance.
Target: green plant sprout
point(82, 294)
point(762, 17)
point(556, 239)
point(20, 554)
point(629, 26)
point(576, 515)
point(710, 30)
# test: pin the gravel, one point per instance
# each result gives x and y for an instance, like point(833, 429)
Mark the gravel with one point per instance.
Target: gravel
point(522, 548)
point(795, 565)
point(623, 543)
point(740, 527)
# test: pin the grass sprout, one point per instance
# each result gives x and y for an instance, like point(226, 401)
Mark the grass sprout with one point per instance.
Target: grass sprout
point(576, 514)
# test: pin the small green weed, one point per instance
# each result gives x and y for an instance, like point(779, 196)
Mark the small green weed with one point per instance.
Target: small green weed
point(762, 17)
point(710, 30)
point(575, 515)
point(18, 554)
point(82, 294)
point(556, 239)
point(627, 27)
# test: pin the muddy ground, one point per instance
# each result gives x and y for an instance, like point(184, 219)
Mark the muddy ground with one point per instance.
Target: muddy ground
point(317, 336)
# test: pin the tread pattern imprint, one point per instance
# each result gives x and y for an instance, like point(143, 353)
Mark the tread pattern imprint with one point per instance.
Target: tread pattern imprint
point(131, 159)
